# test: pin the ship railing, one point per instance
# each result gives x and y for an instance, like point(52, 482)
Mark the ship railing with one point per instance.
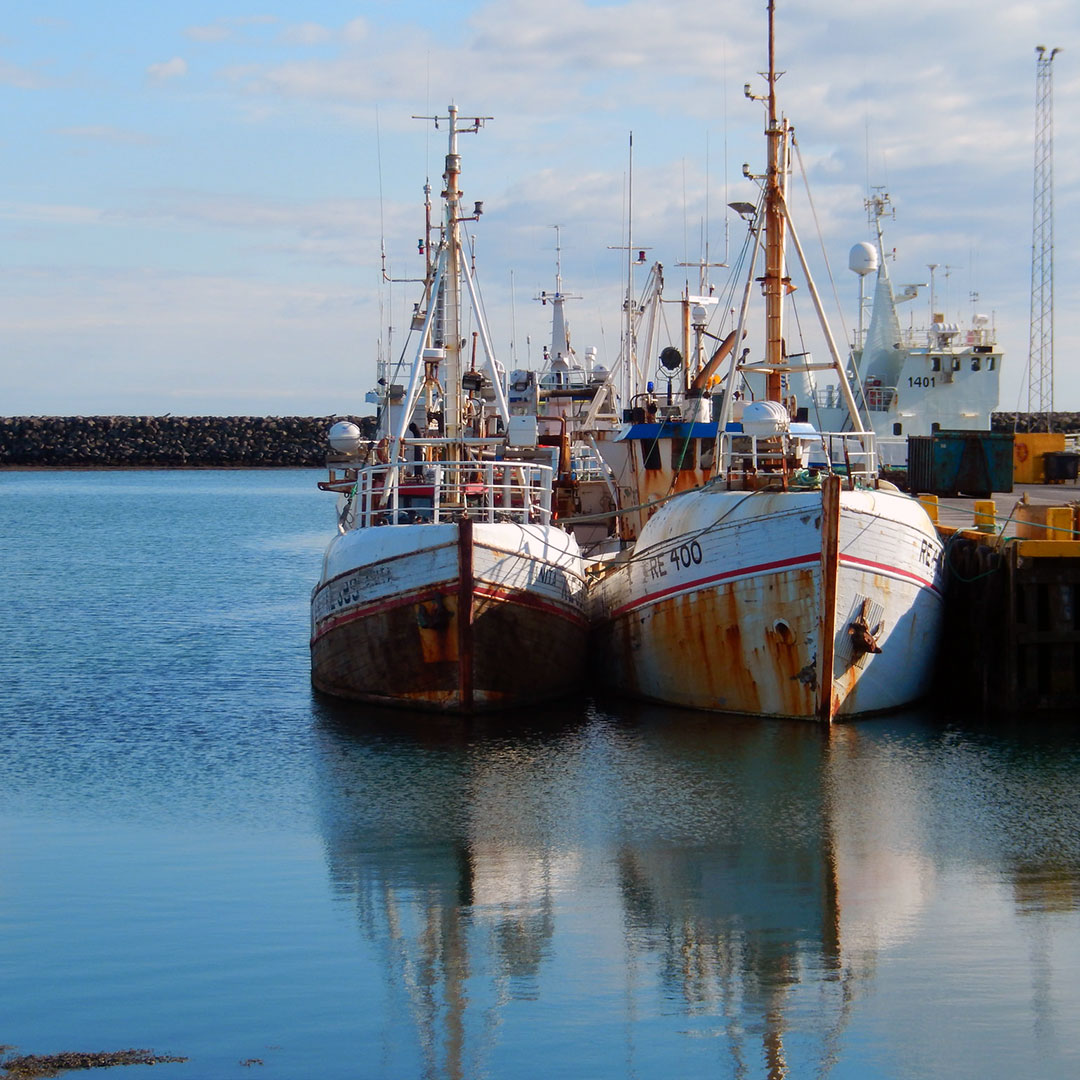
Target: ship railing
point(849, 453)
point(586, 463)
point(923, 338)
point(422, 492)
point(878, 398)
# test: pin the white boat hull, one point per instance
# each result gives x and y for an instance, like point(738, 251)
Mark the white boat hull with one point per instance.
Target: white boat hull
point(453, 617)
point(727, 603)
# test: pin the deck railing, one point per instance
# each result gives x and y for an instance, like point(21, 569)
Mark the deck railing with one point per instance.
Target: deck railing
point(409, 493)
point(848, 452)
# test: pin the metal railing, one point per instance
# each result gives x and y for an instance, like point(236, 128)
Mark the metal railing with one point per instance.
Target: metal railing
point(848, 452)
point(878, 398)
point(410, 493)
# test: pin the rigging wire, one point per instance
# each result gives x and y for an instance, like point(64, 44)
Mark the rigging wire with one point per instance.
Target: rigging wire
point(861, 397)
point(821, 237)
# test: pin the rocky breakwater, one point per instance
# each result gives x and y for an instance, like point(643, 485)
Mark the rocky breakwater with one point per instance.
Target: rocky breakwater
point(167, 441)
point(1006, 422)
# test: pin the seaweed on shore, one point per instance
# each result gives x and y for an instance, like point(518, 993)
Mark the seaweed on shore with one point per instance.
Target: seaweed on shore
point(32, 1066)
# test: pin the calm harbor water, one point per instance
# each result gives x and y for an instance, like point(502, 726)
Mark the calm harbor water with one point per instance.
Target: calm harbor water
point(200, 857)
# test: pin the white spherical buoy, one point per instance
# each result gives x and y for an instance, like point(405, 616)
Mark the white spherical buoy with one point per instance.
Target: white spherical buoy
point(344, 437)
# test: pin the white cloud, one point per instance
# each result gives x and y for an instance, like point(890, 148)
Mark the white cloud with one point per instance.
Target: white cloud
point(305, 34)
point(355, 30)
point(169, 69)
point(212, 33)
point(105, 133)
point(225, 28)
point(51, 214)
point(19, 77)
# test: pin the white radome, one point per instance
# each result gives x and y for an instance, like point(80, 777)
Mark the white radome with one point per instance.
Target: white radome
point(863, 259)
point(344, 437)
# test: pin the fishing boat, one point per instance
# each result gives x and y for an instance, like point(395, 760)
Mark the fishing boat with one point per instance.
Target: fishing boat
point(577, 407)
point(449, 585)
point(794, 582)
point(935, 375)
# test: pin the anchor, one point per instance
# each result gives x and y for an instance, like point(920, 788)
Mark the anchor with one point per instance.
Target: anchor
point(863, 639)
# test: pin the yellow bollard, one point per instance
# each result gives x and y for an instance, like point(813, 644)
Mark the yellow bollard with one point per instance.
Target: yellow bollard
point(984, 515)
point(1059, 523)
point(930, 505)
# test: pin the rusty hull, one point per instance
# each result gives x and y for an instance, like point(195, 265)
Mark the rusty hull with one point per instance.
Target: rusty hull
point(709, 649)
point(459, 645)
point(768, 604)
point(520, 656)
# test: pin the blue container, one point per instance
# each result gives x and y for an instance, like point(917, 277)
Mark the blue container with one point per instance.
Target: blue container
point(951, 463)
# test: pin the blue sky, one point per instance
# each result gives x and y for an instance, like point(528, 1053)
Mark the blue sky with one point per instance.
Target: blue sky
point(193, 196)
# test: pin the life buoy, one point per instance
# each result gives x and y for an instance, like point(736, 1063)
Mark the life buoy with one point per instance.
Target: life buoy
point(1021, 452)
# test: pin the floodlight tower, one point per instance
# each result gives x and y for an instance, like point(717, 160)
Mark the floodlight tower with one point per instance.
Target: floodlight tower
point(1041, 352)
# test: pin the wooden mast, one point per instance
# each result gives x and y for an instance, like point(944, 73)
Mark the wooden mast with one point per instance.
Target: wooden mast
point(774, 281)
point(452, 335)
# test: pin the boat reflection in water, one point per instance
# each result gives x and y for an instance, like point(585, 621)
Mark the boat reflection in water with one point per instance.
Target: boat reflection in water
point(665, 895)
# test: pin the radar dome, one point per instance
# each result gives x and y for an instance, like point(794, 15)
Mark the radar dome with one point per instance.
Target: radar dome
point(344, 437)
point(863, 259)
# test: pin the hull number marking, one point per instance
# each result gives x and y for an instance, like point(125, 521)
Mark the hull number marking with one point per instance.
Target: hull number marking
point(686, 555)
point(681, 558)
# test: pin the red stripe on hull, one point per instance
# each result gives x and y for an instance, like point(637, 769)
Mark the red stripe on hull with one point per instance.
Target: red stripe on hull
point(764, 568)
point(884, 568)
point(745, 571)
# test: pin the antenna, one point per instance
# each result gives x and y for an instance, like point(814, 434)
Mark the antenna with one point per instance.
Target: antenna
point(629, 305)
point(1041, 351)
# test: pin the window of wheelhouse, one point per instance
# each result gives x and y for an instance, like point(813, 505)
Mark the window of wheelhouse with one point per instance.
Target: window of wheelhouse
point(650, 452)
point(708, 447)
point(683, 454)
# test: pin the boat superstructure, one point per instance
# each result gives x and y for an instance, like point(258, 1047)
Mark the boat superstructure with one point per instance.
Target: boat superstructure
point(928, 376)
point(449, 585)
point(793, 581)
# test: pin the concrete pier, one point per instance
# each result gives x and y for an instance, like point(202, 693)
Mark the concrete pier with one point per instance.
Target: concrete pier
point(1012, 600)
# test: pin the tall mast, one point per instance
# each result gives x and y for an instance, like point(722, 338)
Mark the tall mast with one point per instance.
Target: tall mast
point(775, 191)
point(452, 339)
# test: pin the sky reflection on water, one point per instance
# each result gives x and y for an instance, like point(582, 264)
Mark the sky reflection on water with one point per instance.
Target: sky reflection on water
point(200, 856)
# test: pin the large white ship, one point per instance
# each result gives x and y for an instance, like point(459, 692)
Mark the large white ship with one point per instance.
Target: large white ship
point(927, 376)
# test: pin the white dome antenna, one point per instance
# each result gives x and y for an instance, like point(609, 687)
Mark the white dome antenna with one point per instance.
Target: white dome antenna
point(863, 259)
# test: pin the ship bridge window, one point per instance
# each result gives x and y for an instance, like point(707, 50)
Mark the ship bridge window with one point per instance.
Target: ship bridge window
point(976, 363)
point(935, 427)
point(992, 363)
point(935, 363)
point(651, 450)
point(683, 454)
point(956, 363)
point(898, 429)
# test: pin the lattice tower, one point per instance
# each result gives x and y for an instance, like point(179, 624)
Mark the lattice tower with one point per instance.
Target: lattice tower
point(1041, 352)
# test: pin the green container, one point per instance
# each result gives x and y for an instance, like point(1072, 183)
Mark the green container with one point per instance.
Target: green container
point(975, 463)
